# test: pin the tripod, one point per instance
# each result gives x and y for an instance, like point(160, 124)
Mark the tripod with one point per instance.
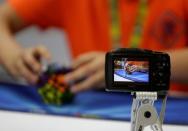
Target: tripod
point(145, 114)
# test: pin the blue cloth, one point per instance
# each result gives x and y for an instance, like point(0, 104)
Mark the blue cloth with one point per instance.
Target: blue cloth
point(95, 104)
point(135, 76)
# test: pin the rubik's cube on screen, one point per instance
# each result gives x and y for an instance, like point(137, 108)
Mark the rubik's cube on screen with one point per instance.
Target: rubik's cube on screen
point(52, 88)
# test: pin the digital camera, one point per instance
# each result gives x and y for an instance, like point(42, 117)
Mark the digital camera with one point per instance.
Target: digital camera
point(133, 69)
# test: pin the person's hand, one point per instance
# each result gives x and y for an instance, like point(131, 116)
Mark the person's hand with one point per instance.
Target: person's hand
point(131, 68)
point(89, 68)
point(24, 63)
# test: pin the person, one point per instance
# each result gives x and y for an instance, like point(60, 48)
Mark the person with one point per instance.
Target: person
point(87, 25)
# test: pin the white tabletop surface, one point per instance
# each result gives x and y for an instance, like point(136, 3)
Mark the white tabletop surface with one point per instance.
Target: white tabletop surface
point(15, 121)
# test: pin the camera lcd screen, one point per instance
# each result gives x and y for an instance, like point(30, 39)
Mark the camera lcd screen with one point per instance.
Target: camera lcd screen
point(131, 70)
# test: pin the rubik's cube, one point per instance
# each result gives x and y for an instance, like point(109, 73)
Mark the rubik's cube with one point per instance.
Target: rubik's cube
point(52, 88)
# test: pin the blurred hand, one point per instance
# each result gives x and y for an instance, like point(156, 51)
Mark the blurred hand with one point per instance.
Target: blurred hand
point(90, 68)
point(24, 63)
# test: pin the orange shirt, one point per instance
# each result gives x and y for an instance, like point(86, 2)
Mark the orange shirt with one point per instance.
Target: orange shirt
point(87, 23)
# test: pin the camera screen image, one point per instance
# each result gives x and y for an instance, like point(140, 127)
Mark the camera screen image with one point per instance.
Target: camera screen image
point(129, 70)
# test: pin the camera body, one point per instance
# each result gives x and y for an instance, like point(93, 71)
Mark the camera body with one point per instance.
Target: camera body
point(133, 70)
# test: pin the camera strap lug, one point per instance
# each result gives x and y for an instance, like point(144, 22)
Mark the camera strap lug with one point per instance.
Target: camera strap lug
point(145, 114)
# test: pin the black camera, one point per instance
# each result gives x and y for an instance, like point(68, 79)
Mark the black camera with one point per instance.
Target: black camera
point(133, 69)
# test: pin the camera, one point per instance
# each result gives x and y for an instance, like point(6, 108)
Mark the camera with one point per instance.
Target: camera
point(134, 69)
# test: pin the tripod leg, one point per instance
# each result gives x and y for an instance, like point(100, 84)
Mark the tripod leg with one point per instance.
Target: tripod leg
point(134, 110)
point(157, 126)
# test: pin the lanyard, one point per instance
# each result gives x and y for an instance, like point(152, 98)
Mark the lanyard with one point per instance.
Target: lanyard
point(115, 24)
point(136, 37)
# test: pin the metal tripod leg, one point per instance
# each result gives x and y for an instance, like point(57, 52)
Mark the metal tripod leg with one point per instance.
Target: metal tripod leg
point(135, 107)
point(144, 113)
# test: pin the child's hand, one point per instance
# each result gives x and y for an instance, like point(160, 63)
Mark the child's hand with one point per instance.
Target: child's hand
point(89, 66)
point(131, 68)
point(24, 63)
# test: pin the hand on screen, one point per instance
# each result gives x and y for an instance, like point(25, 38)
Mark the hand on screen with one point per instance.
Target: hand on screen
point(129, 68)
point(132, 66)
point(89, 68)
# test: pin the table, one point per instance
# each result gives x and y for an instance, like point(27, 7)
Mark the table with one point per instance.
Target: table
point(15, 121)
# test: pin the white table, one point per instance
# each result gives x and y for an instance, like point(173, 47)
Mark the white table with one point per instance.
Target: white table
point(15, 121)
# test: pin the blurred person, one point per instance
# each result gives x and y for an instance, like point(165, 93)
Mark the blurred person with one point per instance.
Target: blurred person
point(151, 24)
